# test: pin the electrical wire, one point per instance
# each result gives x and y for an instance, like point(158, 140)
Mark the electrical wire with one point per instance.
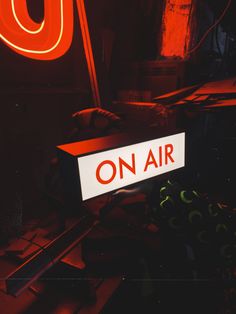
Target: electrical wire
point(198, 45)
point(217, 42)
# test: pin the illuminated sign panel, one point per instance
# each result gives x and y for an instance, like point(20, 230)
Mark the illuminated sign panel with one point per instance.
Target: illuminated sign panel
point(109, 170)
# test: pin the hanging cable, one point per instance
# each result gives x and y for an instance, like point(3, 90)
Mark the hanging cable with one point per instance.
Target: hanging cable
point(217, 42)
point(198, 45)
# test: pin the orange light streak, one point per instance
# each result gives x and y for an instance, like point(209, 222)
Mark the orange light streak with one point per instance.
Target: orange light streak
point(88, 52)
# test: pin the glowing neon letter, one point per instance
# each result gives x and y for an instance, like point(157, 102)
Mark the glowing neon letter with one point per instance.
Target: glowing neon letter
point(47, 40)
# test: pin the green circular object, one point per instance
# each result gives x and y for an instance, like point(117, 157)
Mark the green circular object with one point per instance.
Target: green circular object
point(201, 236)
point(221, 227)
point(167, 199)
point(173, 223)
point(211, 211)
point(162, 190)
point(184, 199)
point(194, 213)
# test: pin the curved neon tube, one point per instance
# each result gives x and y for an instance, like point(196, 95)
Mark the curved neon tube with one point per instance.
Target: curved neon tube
point(21, 25)
point(39, 51)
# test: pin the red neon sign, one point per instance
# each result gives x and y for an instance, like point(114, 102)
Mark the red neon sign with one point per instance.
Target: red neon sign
point(47, 40)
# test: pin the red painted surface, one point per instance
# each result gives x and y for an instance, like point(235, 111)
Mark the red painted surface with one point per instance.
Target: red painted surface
point(93, 145)
point(176, 28)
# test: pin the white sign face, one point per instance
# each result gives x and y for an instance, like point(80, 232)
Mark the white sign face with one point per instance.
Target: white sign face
point(116, 168)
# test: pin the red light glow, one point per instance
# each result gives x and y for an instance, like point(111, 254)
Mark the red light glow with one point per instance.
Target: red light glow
point(49, 39)
point(88, 52)
point(45, 41)
point(176, 28)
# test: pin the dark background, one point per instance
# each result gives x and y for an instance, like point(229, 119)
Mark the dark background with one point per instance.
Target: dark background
point(38, 97)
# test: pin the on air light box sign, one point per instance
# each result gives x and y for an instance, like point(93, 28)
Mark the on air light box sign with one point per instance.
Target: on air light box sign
point(101, 172)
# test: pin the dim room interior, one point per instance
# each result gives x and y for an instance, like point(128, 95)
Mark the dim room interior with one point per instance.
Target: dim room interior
point(118, 176)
